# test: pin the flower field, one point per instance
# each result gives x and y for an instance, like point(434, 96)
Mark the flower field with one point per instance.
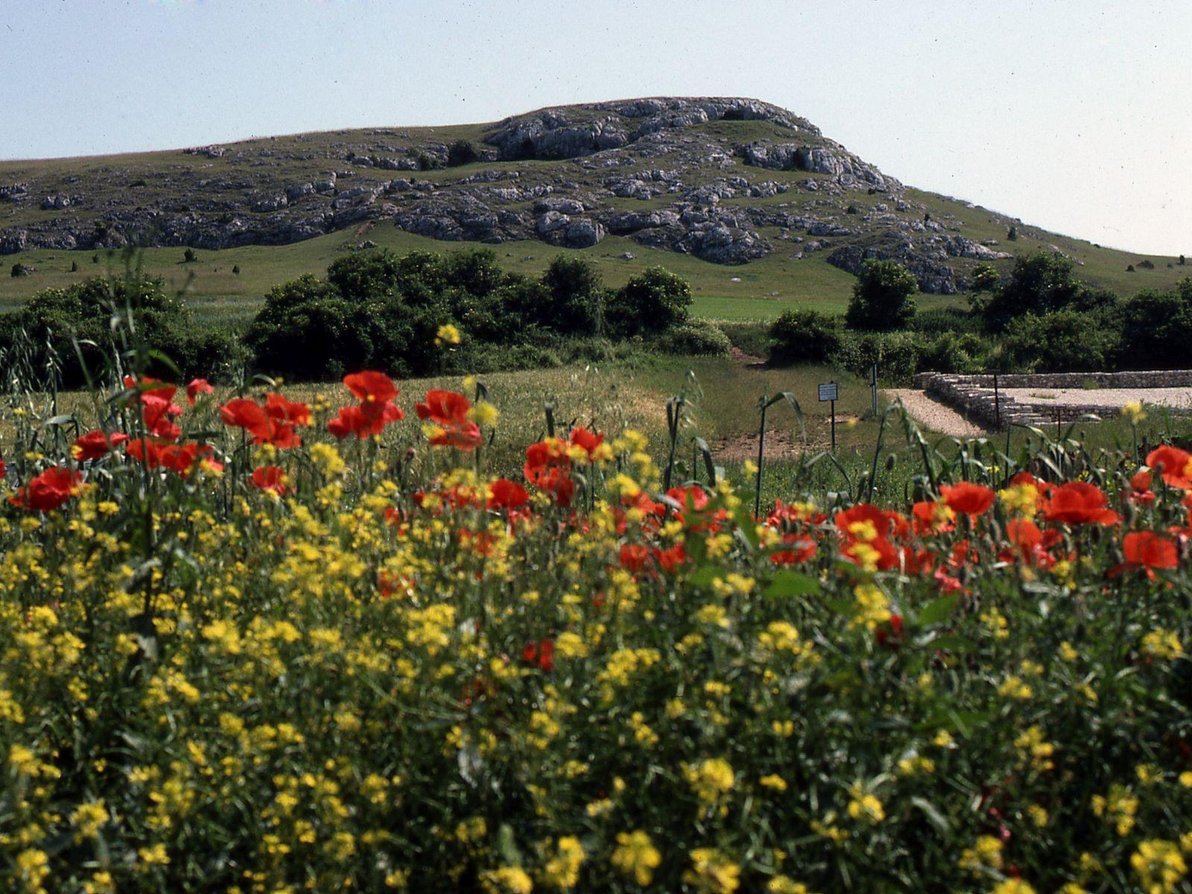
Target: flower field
point(256, 644)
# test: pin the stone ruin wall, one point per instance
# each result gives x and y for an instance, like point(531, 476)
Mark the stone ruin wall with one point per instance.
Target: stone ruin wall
point(975, 397)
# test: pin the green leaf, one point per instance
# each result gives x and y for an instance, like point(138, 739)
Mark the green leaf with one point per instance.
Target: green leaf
point(704, 575)
point(841, 607)
point(937, 819)
point(948, 644)
point(507, 847)
point(746, 527)
point(786, 584)
point(938, 610)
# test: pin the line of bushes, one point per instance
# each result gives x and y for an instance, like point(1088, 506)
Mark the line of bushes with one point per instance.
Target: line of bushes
point(1039, 318)
point(419, 314)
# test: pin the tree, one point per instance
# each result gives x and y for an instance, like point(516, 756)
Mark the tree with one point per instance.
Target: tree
point(72, 331)
point(1041, 284)
point(985, 277)
point(576, 299)
point(1157, 328)
point(649, 303)
point(882, 297)
point(308, 330)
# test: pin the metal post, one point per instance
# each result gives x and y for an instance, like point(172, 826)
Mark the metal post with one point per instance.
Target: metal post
point(833, 405)
point(997, 403)
point(873, 386)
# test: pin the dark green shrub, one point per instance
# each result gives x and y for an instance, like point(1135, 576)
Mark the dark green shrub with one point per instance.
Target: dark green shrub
point(461, 152)
point(1157, 329)
point(71, 331)
point(803, 336)
point(575, 299)
point(1043, 284)
point(1064, 341)
point(882, 297)
point(895, 353)
point(947, 319)
point(497, 358)
point(369, 275)
point(695, 337)
point(308, 331)
point(649, 303)
point(951, 352)
point(189, 256)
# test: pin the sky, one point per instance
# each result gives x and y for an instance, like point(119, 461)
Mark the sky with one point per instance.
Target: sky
point(1073, 115)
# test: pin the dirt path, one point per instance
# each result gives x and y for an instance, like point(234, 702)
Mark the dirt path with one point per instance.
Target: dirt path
point(933, 415)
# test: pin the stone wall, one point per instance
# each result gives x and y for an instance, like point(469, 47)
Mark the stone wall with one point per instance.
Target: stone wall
point(976, 397)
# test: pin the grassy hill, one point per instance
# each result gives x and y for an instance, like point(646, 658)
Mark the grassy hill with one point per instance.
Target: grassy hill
point(238, 207)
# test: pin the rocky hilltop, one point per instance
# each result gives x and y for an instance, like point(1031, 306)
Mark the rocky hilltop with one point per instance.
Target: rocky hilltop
point(728, 180)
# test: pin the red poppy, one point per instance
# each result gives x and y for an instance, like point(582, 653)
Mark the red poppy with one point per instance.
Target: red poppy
point(587, 440)
point(364, 420)
point(507, 495)
point(796, 548)
point(448, 412)
point(1079, 503)
point(636, 557)
point(1174, 464)
point(693, 501)
point(889, 633)
point(371, 387)
point(271, 479)
point(967, 498)
point(548, 467)
point(279, 408)
point(1148, 550)
point(672, 558)
point(558, 483)
point(885, 523)
point(197, 387)
point(49, 490)
point(690, 497)
point(179, 458)
point(270, 424)
point(1027, 543)
point(95, 444)
point(931, 517)
point(240, 412)
point(1140, 488)
point(158, 411)
point(541, 653)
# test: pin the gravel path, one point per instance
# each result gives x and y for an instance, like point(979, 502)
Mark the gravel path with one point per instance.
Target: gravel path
point(933, 415)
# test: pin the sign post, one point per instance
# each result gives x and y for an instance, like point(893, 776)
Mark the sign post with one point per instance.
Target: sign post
point(828, 392)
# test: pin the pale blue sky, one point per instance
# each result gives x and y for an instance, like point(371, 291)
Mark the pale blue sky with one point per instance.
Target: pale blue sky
point(1075, 115)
